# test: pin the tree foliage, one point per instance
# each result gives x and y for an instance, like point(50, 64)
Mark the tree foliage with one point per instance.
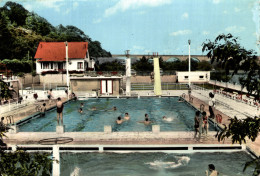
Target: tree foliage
point(241, 129)
point(110, 66)
point(17, 65)
point(143, 65)
point(5, 92)
point(21, 31)
point(26, 164)
point(16, 12)
point(231, 55)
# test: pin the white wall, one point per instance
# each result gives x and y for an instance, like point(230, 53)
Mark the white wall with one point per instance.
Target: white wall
point(72, 66)
point(195, 76)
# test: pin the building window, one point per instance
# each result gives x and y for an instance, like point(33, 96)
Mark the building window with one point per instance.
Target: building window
point(186, 77)
point(201, 77)
point(80, 65)
point(45, 65)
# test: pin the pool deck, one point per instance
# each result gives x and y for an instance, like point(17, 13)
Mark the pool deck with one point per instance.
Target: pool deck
point(122, 138)
point(253, 146)
point(116, 138)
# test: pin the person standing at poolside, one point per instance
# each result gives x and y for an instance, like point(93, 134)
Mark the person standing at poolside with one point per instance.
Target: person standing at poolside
point(197, 124)
point(43, 109)
point(200, 127)
point(211, 105)
point(205, 123)
point(59, 111)
point(50, 96)
point(212, 171)
point(189, 93)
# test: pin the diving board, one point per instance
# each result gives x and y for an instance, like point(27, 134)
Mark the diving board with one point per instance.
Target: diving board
point(157, 77)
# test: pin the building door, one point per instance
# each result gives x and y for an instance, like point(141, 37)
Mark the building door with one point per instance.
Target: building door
point(106, 86)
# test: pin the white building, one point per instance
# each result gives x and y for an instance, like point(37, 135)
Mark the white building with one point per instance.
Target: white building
point(51, 56)
point(195, 76)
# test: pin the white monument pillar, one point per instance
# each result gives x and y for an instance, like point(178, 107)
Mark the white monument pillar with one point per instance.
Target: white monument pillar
point(128, 76)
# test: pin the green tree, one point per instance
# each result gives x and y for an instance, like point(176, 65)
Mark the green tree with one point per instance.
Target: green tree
point(204, 66)
point(227, 51)
point(16, 12)
point(6, 37)
point(38, 24)
point(21, 31)
point(5, 92)
point(143, 65)
point(95, 50)
point(111, 66)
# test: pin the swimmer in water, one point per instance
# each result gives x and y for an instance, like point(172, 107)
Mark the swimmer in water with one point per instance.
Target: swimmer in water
point(93, 108)
point(114, 108)
point(168, 119)
point(146, 121)
point(127, 117)
point(212, 171)
point(119, 120)
point(81, 105)
point(180, 99)
point(80, 110)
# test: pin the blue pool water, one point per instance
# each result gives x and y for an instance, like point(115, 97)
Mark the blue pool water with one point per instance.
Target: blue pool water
point(181, 115)
point(153, 164)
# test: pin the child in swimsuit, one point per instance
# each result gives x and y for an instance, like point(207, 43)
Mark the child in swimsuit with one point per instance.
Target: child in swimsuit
point(205, 122)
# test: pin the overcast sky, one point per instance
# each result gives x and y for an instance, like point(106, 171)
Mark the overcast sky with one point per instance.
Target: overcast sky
point(163, 26)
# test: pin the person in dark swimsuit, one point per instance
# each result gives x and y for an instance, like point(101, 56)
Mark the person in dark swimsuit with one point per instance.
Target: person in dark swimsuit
point(197, 125)
point(205, 122)
point(59, 111)
point(43, 109)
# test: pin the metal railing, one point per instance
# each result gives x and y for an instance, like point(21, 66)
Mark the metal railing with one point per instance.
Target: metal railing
point(120, 73)
point(165, 86)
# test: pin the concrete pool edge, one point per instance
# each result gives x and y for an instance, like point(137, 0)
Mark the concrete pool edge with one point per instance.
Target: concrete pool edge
point(114, 137)
point(180, 148)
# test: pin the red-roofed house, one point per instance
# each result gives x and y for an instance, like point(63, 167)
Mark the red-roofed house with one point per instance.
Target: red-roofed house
point(51, 56)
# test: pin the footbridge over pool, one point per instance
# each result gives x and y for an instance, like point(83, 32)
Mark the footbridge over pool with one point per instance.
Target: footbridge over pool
point(166, 57)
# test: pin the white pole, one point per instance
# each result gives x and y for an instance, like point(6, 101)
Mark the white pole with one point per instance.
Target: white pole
point(67, 67)
point(189, 62)
point(56, 165)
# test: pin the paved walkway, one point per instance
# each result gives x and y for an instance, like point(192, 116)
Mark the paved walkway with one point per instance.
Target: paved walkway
point(197, 103)
point(118, 138)
point(254, 146)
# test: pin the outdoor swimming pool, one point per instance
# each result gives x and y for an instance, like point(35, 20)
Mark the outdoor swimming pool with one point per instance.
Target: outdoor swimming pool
point(180, 115)
point(154, 164)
